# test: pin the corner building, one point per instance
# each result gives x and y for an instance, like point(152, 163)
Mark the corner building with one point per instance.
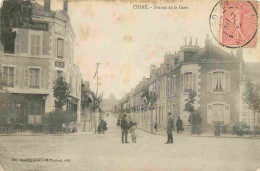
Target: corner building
point(41, 52)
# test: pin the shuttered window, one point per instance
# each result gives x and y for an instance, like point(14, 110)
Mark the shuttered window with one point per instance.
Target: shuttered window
point(8, 76)
point(35, 45)
point(188, 82)
point(34, 78)
point(60, 45)
point(218, 81)
point(18, 42)
point(218, 112)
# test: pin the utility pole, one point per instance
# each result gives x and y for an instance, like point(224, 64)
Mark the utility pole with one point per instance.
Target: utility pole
point(95, 117)
point(151, 98)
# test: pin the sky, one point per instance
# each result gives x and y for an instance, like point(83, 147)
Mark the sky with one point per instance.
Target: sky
point(126, 41)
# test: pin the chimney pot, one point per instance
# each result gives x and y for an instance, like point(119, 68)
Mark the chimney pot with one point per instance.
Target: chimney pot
point(190, 43)
point(196, 44)
point(47, 5)
point(65, 5)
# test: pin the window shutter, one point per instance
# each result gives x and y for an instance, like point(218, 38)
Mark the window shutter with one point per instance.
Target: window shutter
point(227, 77)
point(21, 77)
point(24, 41)
point(46, 43)
point(55, 48)
point(65, 50)
point(182, 82)
point(17, 76)
point(54, 76)
point(194, 80)
point(18, 42)
point(209, 114)
point(26, 81)
point(209, 81)
point(42, 78)
point(227, 114)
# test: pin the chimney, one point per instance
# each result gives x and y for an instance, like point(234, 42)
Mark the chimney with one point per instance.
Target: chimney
point(190, 43)
point(185, 41)
point(47, 5)
point(65, 5)
point(207, 41)
point(239, 53)
point(196, 44)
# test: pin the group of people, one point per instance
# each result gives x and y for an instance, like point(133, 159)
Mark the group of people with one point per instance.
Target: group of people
point(132, 128)
point(128, 127)
point(102, 126)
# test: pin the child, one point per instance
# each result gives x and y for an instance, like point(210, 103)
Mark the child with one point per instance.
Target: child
point(134, 132)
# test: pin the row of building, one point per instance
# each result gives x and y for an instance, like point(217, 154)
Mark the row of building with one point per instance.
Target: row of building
point(218, 77)
point(41, 52)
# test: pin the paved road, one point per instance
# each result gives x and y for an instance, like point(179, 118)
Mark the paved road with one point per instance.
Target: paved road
point(106, 152)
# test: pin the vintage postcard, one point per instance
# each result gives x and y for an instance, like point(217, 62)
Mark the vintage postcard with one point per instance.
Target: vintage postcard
point(129, 85)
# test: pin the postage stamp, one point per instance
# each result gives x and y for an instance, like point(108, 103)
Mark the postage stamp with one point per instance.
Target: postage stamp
point(234, 23)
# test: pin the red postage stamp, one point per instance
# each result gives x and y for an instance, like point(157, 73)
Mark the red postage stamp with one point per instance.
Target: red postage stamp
point(235, 23)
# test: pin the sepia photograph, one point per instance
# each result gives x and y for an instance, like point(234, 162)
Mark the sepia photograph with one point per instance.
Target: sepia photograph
point(129, 85)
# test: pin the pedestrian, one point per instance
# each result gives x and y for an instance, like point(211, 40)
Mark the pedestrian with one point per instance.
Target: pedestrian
point(170, 128)
point(118, 122)
point(179, 125)
point(130, 123)
point(134, 132)
point(104, 126)
point(156, 126)
point(124, 128)
point(99, 127)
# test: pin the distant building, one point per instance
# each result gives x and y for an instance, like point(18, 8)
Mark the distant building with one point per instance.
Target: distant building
point(40, 53)
point(108, 104)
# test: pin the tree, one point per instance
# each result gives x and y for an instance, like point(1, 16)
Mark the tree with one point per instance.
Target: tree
point(251, 97)
point(189, 107)
point(61, 92)
point(95, 106)
point(14, 13)
point(150, 99)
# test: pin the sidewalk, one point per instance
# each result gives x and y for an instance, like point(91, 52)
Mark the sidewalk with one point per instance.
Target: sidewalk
point(185, 133)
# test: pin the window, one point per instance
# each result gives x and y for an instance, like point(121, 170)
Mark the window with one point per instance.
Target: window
point(218, 113)
point(173, 86)
point(34, 75)
point(10, 43)
point(218, 81)
point(18, 43)
point(8, 76)
point(35, 45)
point(59, 73)
point(60, 46)
point(187, 82)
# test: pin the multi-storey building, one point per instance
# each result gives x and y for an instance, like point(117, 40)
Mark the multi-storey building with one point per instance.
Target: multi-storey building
point(42, 51)
point(210, 71)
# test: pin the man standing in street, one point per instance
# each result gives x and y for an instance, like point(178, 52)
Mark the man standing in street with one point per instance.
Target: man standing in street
point(179, 125)
point(170, 128)
point(124, 128)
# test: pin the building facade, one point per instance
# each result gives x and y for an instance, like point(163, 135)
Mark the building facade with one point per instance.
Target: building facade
point(218, 77)
point(42, 51)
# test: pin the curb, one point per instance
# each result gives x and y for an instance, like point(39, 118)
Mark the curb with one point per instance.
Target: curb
point(205, 136)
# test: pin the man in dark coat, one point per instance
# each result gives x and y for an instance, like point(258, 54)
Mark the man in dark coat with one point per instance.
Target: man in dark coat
point(124, 128)
point(170, 128)
point(179, 125)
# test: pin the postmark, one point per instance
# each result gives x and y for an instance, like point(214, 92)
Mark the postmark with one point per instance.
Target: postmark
point(234, 23)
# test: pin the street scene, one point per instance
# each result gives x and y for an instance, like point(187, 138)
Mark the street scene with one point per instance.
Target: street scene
point(129, 86)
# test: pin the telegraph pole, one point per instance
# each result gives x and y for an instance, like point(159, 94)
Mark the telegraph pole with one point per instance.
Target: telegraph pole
point(96, 74)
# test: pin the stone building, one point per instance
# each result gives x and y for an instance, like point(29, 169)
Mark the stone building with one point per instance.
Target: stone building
point(211, 72)
point(41, 52)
